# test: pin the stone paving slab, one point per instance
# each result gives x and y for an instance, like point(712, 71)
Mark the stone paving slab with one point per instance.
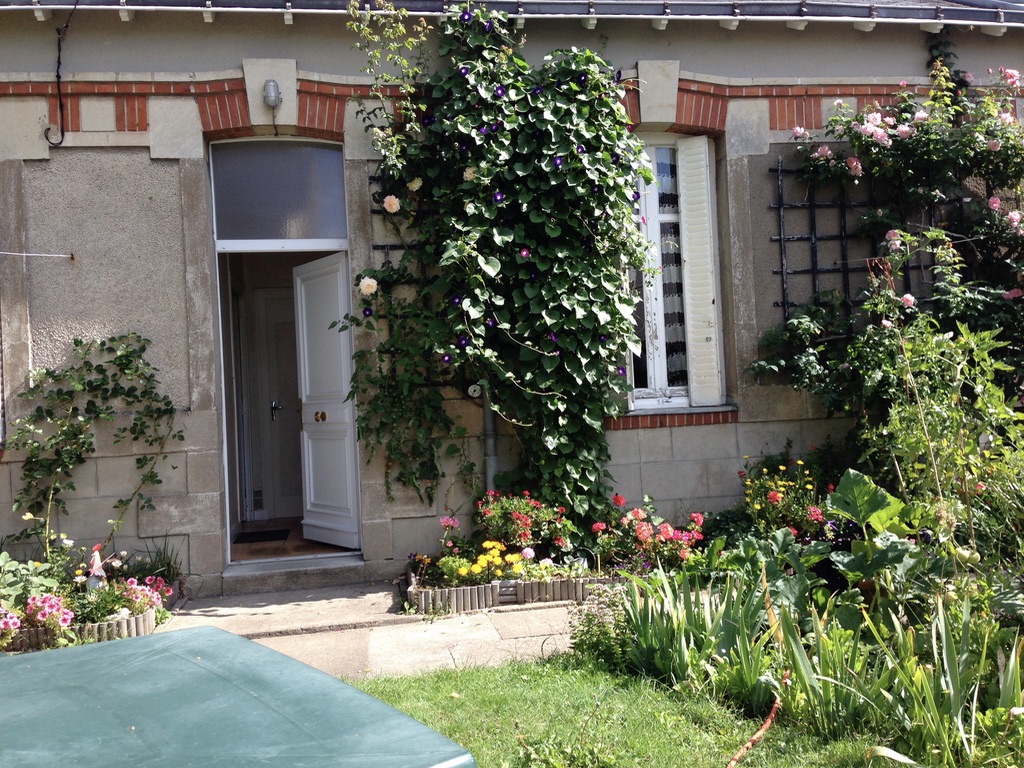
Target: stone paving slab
point(361, 630)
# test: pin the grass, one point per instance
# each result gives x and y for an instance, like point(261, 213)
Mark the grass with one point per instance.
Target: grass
point(557, 704)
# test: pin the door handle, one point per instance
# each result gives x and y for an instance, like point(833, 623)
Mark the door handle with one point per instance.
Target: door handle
point(274, 408)
point(319, 416)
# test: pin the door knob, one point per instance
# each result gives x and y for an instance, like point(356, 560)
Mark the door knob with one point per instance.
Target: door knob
point(319, 416)
point(274, 408)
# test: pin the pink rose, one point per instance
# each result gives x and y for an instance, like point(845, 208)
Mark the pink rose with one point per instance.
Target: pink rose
point(995, 145)
point(907, 300)
point(994, 203)
point(887, 323)
point(1014, 293)
point(854, 165)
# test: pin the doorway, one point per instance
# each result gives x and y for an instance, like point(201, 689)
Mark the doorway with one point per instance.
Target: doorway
point(272, 498)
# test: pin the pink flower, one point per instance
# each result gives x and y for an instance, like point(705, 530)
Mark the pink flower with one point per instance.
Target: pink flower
point(979, 487)
point(793, 531)
point(907, 300)
point(994, 203)
point(1013, 293)
point(528, 553)
point(665, 532)
point(905, 131)
point(638, 514)
point(995, 145)
point(598, 527)
point(449, 522)
point(618, 500)
point(920, 116)
point(1014, 218)
point(697, 519)
point(800, 133)
point(814, 514)
point(854, 165)
point(1006, 117)
point(391, 204)
point(644, 531)
point(1010, 76)
point(887, 323)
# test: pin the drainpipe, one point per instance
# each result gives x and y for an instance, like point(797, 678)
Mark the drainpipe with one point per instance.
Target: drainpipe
point(490, 440)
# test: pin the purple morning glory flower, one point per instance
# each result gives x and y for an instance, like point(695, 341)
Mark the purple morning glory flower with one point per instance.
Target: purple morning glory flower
point(533, 277)
point(524, 253)
point(367, 312)
point(446, 358)
point(580, 149)
point(498, 197)
point(495, 127)
point(456, 300)
point(615, 157)
point(482, 129)
point(536, 91)
point(552, 336)
point(463, 342)
point(621, 370)
point(558, 162)
point(462, 147)
point(490, 322)
point(636, 196)
point(582, 79)
point(499, 91)
point(488, 26)
point(618, 75)
point(602, 339)
point(465, 16)
point(463, 71)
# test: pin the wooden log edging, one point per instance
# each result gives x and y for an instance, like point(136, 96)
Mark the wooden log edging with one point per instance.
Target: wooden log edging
point(498, 593)
point(35, 638)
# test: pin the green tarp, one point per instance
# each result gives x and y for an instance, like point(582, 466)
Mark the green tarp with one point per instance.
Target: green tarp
point(199, 697)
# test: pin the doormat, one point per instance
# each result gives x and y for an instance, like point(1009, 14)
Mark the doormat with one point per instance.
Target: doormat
point(252, 537)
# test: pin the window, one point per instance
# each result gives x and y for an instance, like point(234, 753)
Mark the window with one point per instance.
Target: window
point(678, 318)
point(278, 195)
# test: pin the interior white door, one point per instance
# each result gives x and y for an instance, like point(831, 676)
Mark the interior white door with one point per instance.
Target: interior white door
point(328, 436)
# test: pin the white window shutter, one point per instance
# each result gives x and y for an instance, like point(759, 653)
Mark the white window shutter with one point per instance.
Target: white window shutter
point(695, 161)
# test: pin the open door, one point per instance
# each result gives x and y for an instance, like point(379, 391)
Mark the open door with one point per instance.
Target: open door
point(328, 436)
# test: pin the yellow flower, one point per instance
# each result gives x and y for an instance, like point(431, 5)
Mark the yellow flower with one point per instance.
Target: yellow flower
point(511, 558)
point(800, 462)
point(782, 467)
point(517, 568)
point(463, 571)
point(27, 516)
point(475, 568)
point(809, 487)
point(757, 506)
point(497, 571)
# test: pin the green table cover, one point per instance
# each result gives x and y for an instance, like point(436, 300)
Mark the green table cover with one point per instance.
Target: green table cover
point(199, 697)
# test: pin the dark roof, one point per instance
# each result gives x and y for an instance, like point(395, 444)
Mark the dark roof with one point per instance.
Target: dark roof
point(969, 12)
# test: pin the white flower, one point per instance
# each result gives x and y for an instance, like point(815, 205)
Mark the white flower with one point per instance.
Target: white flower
point(391, 204)
point(27, 516)
point(367, 286)
point(67, 542)
point(415, 184)
point(469, 174)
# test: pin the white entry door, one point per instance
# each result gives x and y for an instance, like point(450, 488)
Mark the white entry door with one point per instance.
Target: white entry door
point(328, 436)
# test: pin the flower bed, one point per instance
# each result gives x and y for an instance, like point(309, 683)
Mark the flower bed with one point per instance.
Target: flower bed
point(480, 596)
point(36, 638)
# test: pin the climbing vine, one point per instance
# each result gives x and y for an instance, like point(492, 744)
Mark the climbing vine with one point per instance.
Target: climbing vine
point(520, 184)
point(109, 380)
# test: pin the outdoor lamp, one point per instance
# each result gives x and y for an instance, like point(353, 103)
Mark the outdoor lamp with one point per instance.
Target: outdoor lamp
point(271, 94)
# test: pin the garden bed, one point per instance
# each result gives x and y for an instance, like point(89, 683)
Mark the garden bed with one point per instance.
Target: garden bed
point(497, 593)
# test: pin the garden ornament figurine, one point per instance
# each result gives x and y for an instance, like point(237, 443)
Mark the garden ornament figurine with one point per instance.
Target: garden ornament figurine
point(97, 576)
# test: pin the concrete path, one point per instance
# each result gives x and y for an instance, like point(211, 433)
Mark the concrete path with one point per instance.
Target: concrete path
point(361, 630)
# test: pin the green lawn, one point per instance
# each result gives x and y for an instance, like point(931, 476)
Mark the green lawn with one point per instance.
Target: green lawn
point(559, 704)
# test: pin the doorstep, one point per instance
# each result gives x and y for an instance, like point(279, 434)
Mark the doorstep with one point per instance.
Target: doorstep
point(285, 574)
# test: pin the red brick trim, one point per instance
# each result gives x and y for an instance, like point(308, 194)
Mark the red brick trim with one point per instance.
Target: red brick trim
point(683, 419)
point(131, 113)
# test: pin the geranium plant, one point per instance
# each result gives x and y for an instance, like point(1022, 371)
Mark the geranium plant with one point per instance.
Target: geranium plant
point(519, 184)
point(522, 521)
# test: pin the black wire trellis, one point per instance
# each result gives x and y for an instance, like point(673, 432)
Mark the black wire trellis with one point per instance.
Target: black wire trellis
point(814, 259)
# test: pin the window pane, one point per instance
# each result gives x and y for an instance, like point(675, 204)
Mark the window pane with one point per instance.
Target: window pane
point(266, 190)
point(665, 172)
point(640, 379)
point(672, 296)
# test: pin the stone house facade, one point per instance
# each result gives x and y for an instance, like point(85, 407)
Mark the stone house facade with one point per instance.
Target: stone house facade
point(204, 215)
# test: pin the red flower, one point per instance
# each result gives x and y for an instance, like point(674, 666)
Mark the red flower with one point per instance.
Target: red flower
point(598, 527)
point(830, 488)
point(559, 541)
point(526, 494)
point(618, 500)
point(793, 531)
point(774, 497)
point(742, 474)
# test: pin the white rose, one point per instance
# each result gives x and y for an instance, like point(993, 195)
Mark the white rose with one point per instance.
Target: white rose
point(415, 184)
point(367, 286)
point(391, 204)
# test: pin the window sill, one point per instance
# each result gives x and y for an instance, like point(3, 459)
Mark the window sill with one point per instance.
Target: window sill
point(670, 416)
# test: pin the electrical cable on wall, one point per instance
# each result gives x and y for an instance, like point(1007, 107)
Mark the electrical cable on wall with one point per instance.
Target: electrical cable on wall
point(61, 32)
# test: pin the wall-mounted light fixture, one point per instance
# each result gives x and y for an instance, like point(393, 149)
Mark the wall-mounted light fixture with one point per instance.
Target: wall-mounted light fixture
point(271, 94)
